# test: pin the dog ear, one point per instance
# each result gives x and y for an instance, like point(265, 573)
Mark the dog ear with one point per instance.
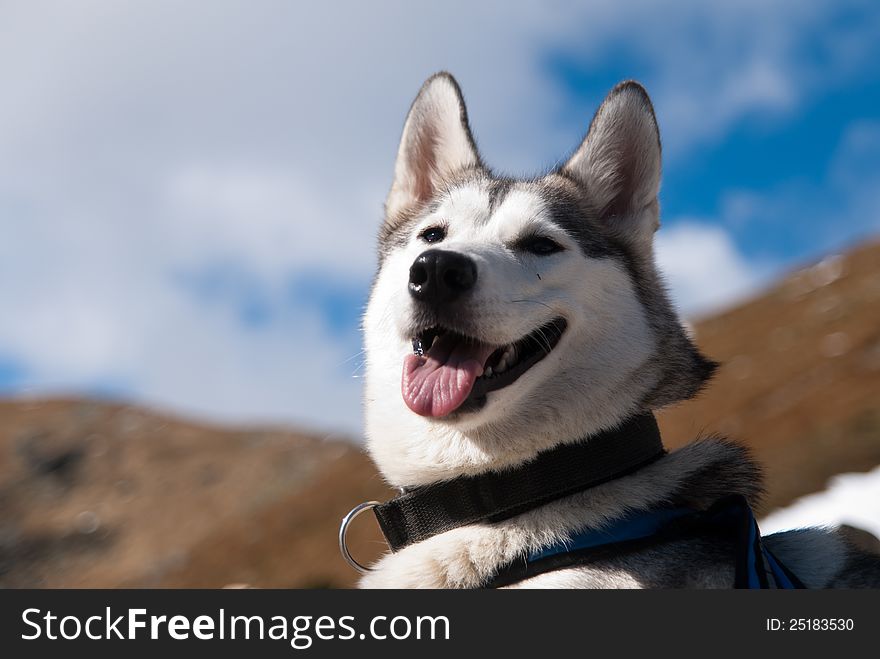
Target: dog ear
point(435, 145)
point(618, 163)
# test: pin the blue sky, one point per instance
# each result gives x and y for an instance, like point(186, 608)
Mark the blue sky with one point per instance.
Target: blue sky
point(781, 150)
point(189, 194)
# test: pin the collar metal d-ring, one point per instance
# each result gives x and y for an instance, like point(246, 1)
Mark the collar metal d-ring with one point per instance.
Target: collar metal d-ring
point(343, 529)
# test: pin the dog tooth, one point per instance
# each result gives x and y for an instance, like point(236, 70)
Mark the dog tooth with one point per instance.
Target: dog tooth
point(488, 372)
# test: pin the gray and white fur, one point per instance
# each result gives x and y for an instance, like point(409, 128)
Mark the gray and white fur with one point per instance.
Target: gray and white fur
point(624, 350)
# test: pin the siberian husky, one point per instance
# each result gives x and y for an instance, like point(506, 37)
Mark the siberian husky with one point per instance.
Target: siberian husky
point(509, 317)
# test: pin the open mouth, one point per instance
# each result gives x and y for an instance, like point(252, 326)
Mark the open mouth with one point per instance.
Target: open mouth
point(450, 372)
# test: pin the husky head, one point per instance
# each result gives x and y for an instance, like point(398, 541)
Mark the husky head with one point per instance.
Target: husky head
point(508, 316)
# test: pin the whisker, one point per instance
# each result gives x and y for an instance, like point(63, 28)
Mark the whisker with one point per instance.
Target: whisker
point(354, 356)
point(533, 302)
point(541, 340)
point(547, 342)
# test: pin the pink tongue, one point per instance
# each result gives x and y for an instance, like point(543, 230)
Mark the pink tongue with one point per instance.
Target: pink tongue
point(438, 383)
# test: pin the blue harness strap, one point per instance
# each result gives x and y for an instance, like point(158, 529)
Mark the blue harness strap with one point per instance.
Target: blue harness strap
point(756, 567)
point(626, 529)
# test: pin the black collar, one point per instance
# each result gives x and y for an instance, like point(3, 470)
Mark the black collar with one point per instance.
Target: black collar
point(428, 510)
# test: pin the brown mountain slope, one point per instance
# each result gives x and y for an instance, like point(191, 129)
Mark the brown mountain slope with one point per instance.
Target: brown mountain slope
point(104, 495)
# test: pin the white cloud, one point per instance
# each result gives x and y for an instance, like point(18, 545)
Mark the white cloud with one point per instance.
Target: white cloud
point(266, 217)
point(849, 499)
point(703, 268)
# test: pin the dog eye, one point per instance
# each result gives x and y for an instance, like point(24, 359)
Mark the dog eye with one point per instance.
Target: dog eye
point(433, 234)
point(541, 245)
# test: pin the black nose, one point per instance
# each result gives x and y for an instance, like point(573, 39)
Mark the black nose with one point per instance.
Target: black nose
point(439, 276)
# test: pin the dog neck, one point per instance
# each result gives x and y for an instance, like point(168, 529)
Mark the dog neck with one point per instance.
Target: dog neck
point(427, 510)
